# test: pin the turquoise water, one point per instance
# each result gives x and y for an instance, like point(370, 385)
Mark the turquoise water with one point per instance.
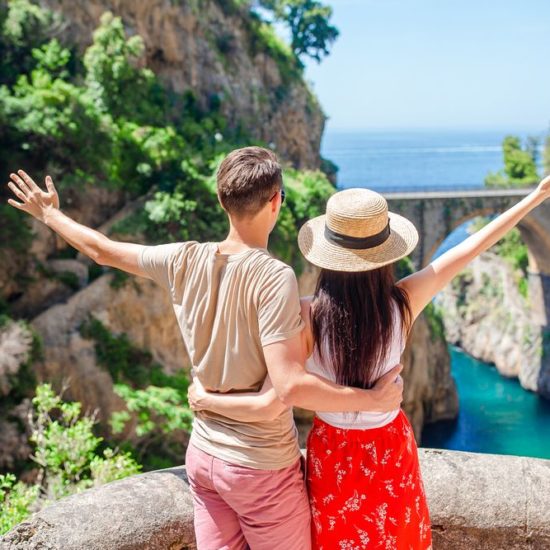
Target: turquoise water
point(496, 414)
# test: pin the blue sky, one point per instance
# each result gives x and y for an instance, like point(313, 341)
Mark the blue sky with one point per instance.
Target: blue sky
point(437, 64)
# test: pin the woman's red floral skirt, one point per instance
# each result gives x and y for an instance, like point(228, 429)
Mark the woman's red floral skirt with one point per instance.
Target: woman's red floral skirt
point(365, 488)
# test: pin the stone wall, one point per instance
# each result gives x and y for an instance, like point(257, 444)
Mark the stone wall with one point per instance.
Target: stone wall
point(477, 502)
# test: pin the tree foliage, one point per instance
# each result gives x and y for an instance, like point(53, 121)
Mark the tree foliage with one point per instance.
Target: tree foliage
point(101, 119)
point(308, 21)
point(520, 164)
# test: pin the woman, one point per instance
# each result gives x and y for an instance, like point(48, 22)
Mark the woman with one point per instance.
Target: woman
point(363, 476)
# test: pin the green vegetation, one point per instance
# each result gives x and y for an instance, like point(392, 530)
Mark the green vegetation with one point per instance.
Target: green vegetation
point(157, 400)
point(434, 317)
point(101, 119)
point(308, 22)
point(266, 39)
point(513, 250)
point(307, 193)
point(403, 268)
point(125, 362)
point(460, 285)
point(68, 456)
point(520, 164)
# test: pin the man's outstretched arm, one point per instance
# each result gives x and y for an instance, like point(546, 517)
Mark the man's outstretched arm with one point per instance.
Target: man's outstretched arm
point(44, 206)
point(296, 387)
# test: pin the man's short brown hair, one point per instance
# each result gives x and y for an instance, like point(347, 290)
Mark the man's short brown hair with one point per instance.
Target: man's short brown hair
point(247, 178)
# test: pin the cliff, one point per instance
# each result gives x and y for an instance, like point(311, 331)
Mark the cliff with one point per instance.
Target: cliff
point(142, 310)
point(215, 50)
point(213, 53)
point(486, 315)
point(220, 54)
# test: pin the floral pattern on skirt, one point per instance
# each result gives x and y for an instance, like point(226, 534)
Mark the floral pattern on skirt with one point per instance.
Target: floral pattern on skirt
point(365, 488)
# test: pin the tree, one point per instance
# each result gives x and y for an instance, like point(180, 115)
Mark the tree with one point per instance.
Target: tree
point(309, 25)
point(546, 155)
point(520, 164)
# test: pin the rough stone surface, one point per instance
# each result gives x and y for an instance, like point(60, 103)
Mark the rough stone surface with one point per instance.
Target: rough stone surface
point(29, 299)
point(139, 308)
point(477, 502)
point(487, 501)
point(429, 389)
point(485, 314)
point(151, 511)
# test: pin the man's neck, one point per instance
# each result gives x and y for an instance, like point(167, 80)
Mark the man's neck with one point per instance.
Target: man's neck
point(240, 239)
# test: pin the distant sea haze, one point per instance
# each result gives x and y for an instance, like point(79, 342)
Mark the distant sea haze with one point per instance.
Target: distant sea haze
point(386, 160)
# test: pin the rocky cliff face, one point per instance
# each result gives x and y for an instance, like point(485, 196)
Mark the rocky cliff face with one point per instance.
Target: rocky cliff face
point(209, 48)
point(142, 310)
point(430, 391)
point(485, 314)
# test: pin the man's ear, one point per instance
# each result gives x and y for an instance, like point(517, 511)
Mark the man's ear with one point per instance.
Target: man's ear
point(274, 205)
point(221, 203)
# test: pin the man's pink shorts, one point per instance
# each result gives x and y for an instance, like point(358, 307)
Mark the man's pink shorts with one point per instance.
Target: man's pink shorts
point(237, 508)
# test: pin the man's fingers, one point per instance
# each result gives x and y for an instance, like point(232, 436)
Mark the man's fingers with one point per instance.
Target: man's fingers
point(390, 376)
point(29, 181)
point(49, 184)
point(16, 204)
point(17, 192)
point(22, 185)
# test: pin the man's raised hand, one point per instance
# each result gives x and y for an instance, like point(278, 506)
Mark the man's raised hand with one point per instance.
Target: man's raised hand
point(32, 199)
point(389, 390)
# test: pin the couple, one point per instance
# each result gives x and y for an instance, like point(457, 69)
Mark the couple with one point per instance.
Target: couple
point(259, 351)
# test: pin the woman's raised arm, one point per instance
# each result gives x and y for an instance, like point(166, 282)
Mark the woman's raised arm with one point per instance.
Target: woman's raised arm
point(423, 285)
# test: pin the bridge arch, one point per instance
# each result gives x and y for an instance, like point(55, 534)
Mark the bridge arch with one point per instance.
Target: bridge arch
point(437, 214)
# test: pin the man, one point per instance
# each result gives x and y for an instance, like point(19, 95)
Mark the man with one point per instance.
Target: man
point(239, 314)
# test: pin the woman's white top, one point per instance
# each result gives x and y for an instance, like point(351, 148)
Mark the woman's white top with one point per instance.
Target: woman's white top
point(362, 420)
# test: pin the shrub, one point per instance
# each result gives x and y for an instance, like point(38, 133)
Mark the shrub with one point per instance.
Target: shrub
point(68, 457)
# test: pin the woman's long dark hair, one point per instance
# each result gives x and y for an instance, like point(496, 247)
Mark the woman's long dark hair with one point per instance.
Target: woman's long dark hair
point(352, 320)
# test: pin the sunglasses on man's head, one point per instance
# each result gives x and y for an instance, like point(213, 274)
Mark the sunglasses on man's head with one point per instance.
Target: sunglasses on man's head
point(283, 195)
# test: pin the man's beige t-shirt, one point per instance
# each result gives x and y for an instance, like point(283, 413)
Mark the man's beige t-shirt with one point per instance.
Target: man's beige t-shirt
point(227, 308)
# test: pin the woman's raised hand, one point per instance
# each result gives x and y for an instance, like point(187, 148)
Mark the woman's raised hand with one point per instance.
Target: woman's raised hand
point(32, 199)
point(544, 187)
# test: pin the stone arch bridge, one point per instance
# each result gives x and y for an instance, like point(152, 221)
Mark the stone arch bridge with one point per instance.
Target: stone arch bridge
point(437, 213)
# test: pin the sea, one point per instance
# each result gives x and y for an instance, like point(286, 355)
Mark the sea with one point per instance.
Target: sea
point(496, 415)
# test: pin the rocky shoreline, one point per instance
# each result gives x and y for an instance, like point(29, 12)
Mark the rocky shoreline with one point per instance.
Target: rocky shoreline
point(485, 314)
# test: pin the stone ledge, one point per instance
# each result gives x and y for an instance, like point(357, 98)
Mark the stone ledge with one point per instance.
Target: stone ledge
point(477, 501)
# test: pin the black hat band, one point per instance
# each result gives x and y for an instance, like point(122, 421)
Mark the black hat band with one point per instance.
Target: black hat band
point(358, 243)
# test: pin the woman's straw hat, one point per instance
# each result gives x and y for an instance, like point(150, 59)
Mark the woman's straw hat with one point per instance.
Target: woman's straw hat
point(357, 233)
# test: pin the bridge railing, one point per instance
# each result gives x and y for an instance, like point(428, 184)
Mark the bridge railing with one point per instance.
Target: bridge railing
point(450, 190)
